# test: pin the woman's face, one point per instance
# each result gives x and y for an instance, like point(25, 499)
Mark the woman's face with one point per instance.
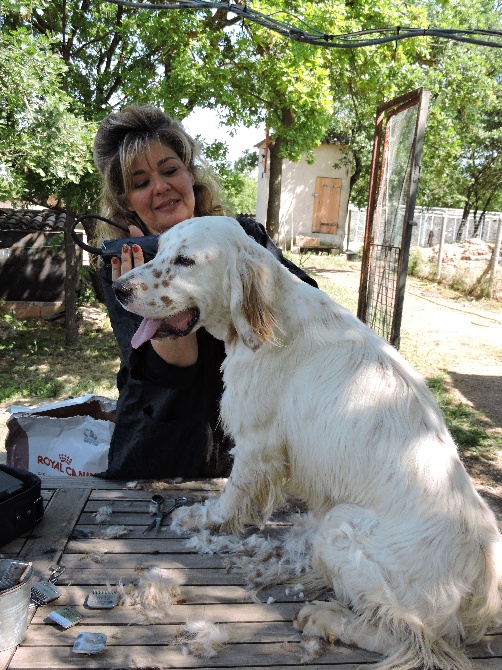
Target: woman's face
point(161, 191)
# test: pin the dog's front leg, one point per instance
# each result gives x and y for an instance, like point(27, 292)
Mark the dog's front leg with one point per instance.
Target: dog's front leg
point(253, 490)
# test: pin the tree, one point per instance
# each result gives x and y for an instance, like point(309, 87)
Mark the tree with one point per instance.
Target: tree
point(481, 170)
point(281, 83)
point(462, 165)
point(115, 55)
point(464, 81)
point(44, 146)
point(64, 66)
point(238, 181)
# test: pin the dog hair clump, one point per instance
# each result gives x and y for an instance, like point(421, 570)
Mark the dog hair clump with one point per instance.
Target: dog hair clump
point(266, 561)
point(112, 532)
point(103, 514)
point(153, 595)
point(201, 638)
point(312, 648)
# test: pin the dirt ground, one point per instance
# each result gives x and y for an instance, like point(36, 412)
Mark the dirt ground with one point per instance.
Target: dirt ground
point(440, 332)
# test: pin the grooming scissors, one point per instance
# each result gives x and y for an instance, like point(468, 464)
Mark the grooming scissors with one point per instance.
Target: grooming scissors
point(160, 513)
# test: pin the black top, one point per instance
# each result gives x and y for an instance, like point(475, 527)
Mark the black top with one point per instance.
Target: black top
point(166, 422)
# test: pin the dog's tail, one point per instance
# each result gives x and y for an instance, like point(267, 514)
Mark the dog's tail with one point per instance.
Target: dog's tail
point(419, 653)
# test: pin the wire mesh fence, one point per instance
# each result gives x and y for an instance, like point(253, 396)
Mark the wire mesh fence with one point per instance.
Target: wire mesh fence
point(384, 268)
point(427, 231)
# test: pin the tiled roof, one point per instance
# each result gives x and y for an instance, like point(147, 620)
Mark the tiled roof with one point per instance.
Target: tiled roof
point(32, 219)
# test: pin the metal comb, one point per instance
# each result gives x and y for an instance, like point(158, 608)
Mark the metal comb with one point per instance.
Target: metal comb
point(12, 573)
point(45, 591)
point(102, 600)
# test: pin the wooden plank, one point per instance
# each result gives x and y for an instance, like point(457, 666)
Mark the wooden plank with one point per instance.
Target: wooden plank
point(286, 653)
point(168, 561)
point(488, 646)
point(156, 656)
point(85, 532)
point(130, 546)
point(96, 483)
point(178, 614)
point(59, 483)
point(189, 594)
point(5, 657)
point(137, 503)
point(106, 575)
point(48, 540)
point(45, 635)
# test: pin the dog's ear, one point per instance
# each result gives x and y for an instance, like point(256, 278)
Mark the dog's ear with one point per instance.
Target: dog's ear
point(250, 286)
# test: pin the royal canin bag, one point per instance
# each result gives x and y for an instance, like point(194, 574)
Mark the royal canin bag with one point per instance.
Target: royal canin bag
point(69, 438)
point(21, 504)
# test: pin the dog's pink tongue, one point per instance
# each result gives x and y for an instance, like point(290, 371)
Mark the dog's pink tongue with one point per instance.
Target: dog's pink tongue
point(146, 330)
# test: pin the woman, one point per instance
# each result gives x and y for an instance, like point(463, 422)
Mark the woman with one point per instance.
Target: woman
point(167, 412)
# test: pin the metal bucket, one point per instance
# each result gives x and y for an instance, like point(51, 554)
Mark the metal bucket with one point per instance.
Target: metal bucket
point(14, 606)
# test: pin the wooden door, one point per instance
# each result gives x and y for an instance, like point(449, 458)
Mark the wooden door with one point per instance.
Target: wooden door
point(326, 205)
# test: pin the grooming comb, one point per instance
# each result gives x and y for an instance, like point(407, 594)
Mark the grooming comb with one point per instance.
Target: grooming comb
point(45, 591)
point(89, 643)
point(102, 600)
point(12, 574)
point(66, 616)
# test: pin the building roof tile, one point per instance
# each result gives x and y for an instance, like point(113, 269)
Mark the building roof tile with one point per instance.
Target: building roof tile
point(32, 220)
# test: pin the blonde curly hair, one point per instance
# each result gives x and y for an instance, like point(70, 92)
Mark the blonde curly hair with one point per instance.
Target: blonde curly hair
point(121, 138)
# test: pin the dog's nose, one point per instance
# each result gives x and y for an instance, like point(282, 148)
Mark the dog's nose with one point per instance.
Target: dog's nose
point(123, 291)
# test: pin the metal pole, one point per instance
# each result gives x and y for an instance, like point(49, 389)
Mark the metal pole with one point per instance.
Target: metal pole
point(440, 250)
point(495, 258)
point(349, 221)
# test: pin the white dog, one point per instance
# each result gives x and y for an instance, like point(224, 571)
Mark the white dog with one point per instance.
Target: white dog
point(321, 407)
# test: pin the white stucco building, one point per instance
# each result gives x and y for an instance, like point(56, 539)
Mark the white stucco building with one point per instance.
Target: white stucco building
point(314, 198)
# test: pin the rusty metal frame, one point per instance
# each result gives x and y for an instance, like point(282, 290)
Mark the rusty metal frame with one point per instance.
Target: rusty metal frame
point(385, 112)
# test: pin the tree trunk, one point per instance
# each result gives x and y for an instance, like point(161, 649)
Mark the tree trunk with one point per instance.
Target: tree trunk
point(93, 267)
point(274, 188)
point(463, 222)
point(357, 171)
point(275, 179)
point(71, 281)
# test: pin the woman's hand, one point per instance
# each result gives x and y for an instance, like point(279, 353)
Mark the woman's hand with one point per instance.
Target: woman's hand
point(131, 256)
point(182, 351)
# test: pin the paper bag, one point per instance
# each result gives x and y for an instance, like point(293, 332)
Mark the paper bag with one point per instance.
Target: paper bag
point(69, 438)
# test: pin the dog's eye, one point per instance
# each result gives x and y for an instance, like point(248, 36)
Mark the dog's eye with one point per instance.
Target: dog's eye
point(184, 260)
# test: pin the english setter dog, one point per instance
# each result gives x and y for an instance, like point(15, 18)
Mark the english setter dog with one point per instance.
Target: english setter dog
point(321, 407)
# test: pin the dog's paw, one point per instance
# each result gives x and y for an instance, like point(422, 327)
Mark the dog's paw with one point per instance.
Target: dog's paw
point(195, 517)
point(323, 619)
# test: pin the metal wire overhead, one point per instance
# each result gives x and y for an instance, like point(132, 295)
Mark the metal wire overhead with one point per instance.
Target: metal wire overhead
point(309, 35)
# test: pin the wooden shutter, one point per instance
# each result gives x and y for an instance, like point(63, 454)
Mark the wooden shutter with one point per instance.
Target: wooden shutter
point(326, 205)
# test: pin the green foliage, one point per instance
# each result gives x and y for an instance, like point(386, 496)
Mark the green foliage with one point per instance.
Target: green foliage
point(463, 421)
point(63, 66)
point(238, 186)
point(86, 296)
point(463, 145)
point(414, 262)
point(43, 145)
